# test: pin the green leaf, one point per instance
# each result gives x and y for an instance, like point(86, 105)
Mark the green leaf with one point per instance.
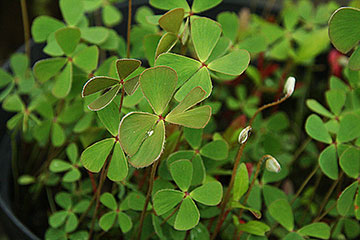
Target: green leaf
point(43, 26)
point(118, 168)
point(105, 99)
point(72, 11)
point(318, 230)
point(336, 100)
point(26, 180)
point(188, 215)
point(57, 219)
point(94, 35)
point(194, 118)
point(166, 199)
point(199, 172)
point(254, 227)
point(94, 156)
point(63, 82)
point(63, 199)
point(195, 96)
point(158, 85)
point(111, 15)
point(200, 79)
point(349, 128)
point(350, 162)
point(318, 108)
point(172, 20)
point(58, 165)
point(150, 44)
point(126, 66)
point(73, 175)
point(193, 137)
point(281, 211)
point(216, 150)
point(13, 103)
point(151, 147)
point(203, 5)
point(254, 212)
point(316, 129)
point(346, 199)
point(47, 68)
point(125, 222)
point(57, 135)
point(241, 183)
point(72, 152)
point(185, 67)
point(108, 200)
point(97, 84)
point(182, 171)
point(136, 201)
point(234, 63)
point(230, 24)
point(342, 33)
point(354, 60)
point(5, 78)
point(110, 118)
point(107, 221)
point(87, 59)
point(68, 38)
point(19, 64)
point(209, 194)
point(205, 33)
point(328, 162)
point(134, 128)
point(170, 4)
point(293, 236)
point(166, 43)
point(200, 232)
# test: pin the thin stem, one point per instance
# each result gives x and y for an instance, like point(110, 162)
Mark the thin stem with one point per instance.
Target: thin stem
point(323, 204)
point(128, 29)
point(304, 184)
point(26, 25)
point(148, 195)
point(122, 98)
point(326, 212)
point(103, 174)
point(236, 164)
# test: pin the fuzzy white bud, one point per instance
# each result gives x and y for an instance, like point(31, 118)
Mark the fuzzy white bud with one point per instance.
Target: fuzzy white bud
point(244, 134)
point(289, 86)
point(272, 165)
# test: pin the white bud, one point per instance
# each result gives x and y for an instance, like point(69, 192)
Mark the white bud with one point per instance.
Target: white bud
point(244, 134)
point(272, 165)
point(289, 86)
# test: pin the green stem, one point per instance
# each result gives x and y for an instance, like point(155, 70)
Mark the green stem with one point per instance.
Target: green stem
point(25, 19)
point(304, 184)
point(236, 164)
point(148, 195)
point(128, 29)
point(103, 175)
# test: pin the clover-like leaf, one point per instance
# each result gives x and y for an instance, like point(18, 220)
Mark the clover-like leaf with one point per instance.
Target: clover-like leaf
point(104, 99)
point(350, 162)
point(125, 222)
point(43, 26)
point(185, 67)
point(209, 194)
point(166, 43)
point(281, 211)
point(63, 82)
point(97, 84)
point(342, 33)
point(72, 11)
point(68, 38)
point(166, 199)
point(205, 33)
point(170, 4)
point(203, 5)
point(194, 118)
point(200, 79)
point(94, 35)
point(110, 118)
point(316, 129)
point(151, 148)
point(158, 85)
point(234, 63)
point(94, 156)
point(318, 108)
point(254, 227)
point(182, 171)
point(328, 162)
point(217, 150)
point(108, 200)
point(318, 230)
point(346, 199)
point(118, 168)
point(195, 96)
point(48, 68)
point(134, 129)
point(87, 59)
point(126, 66)
point(107, 221)
point(188, 215)
point(171, 21)
point(349, 128)
point(241, 183)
